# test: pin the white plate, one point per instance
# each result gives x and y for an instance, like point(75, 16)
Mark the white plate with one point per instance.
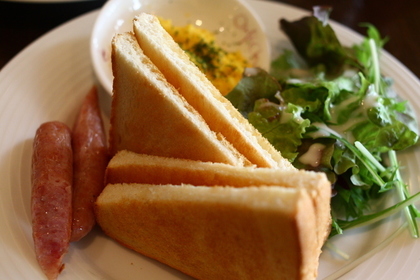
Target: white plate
point(48, 80)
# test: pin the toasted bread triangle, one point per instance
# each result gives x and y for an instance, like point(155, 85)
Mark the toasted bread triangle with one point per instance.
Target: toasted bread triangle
point(148, 115)
point(215, 233)
point(221, 116)
point(129, 167)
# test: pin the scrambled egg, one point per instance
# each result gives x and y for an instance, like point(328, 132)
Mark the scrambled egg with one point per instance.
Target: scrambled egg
point(223, 69)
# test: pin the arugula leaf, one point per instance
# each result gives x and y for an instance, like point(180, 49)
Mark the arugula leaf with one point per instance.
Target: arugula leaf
point(340, 225)
point(367, 55)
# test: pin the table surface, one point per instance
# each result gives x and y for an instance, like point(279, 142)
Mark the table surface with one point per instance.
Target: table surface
point(23, 22)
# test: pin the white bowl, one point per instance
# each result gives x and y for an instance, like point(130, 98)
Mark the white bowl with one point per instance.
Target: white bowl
point(237, 27)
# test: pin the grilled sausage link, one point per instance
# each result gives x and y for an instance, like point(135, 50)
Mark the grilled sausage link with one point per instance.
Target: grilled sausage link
point(90, 160)
point(51, 201)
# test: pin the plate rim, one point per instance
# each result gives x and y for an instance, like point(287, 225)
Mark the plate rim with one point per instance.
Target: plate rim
point(26, 51)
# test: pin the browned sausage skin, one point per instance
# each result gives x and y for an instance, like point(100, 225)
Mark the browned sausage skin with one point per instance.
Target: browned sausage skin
point(51, 199)
point(90, 159)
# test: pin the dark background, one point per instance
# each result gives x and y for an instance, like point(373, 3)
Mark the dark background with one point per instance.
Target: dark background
point(21, 23)
point(399, 20)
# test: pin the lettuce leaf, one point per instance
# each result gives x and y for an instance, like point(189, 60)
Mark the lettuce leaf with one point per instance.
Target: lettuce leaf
point(317, 43)
point(283, 127)
point(255, 84)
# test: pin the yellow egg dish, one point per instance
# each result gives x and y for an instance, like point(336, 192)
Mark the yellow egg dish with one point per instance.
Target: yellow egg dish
point(224, 69)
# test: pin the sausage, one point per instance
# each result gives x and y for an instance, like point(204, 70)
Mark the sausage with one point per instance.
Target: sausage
point(51, 199)
point(90, 155)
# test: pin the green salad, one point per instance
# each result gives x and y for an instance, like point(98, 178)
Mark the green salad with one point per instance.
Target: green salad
point(328, 108)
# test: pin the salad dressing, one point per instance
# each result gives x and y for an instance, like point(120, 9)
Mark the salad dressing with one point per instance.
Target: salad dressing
point(313, 156)
point(357, 116)
point(335, 110)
